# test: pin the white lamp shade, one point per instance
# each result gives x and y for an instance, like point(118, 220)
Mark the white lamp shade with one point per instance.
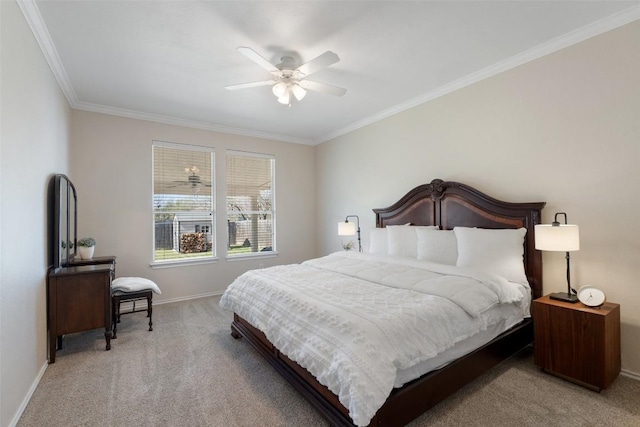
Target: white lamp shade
point(279, 89)
point(563, 237)
point(284, 99)
point(346, 228)
point(298, 91)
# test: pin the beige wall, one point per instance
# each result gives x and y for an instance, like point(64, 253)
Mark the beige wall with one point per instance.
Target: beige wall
point(34, 145)
point(564, 129)
point(111, 169)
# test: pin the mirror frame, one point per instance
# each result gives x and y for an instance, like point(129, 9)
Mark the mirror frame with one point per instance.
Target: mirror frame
point(64, 195)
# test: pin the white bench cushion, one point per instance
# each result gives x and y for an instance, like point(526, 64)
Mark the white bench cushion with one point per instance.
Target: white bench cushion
point(134, 284)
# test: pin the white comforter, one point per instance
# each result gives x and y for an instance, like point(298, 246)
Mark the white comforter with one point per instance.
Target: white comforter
point(353, 320)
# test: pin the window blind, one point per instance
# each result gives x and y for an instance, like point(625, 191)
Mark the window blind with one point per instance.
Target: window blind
point(183, 202)
point(250, 203)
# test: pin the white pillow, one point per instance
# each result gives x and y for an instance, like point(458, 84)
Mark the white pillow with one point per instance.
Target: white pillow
point(493, 251)
point(134, 284)
point(437, 246)
point(403, 240)
point(378, 242)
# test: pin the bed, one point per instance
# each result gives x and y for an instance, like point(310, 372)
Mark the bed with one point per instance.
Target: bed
point(450, 206)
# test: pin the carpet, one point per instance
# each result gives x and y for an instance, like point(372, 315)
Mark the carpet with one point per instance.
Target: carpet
point(189, 372)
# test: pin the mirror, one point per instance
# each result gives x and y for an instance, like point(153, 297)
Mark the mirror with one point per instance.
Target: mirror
point(64, 221)
point(73, 222)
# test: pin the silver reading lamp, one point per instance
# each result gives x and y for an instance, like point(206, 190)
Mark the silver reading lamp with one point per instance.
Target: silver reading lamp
point(559, 237)
point(347, 228)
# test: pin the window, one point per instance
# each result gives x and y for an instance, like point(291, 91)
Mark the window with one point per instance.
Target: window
point(250, 204)
point(183, 203)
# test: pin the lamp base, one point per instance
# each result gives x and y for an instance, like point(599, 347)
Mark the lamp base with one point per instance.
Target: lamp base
point(563, 296)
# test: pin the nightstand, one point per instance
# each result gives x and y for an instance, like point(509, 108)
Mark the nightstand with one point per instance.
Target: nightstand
point(578, 343)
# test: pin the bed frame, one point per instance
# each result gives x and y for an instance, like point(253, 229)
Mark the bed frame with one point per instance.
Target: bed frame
point(447, 204)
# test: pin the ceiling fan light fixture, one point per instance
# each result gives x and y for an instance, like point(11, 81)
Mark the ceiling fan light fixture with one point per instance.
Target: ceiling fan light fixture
point(285, 99)
point(279, 89)
point(288, 79)
point(298, 91)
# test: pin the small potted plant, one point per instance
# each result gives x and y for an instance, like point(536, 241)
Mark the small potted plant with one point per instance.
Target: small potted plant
point(86, 246)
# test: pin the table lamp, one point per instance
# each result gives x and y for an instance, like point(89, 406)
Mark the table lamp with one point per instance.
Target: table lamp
point(347, 228)
point(559, 237)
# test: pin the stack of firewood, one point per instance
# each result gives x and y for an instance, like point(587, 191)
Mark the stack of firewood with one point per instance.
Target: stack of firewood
point(192, 243)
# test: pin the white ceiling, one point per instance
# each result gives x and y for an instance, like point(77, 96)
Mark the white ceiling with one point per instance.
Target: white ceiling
point(169, 61)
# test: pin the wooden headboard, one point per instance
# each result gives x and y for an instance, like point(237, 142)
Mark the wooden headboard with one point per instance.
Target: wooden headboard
point(450, 204)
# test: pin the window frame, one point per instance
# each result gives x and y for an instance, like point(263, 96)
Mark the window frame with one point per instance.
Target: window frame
point(213, 212)
point(272, 211)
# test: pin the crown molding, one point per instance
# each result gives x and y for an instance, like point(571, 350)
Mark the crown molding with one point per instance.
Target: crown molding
point(34, 19)
point(596, 28)
point(132, 114)
point(39, 29)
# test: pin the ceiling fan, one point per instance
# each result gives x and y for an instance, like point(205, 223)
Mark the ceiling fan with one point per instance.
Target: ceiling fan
point(193, 180)
point(289, 79)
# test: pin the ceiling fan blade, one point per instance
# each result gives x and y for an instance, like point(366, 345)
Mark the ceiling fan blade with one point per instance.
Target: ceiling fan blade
point(321, 87)
point(255, 57)
point(253, 84)
point(318, 63)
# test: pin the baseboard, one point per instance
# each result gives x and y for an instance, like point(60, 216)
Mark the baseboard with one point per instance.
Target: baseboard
point(27, 398)
point(629, 374)
point(167, 301)
point(142, 304)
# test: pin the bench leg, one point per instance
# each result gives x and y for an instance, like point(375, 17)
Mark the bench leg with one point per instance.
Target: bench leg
point(116, 300)
point(115, 314)
point(107, 336)
point(149, 312)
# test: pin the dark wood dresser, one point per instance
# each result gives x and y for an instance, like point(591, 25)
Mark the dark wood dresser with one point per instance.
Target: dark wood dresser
point(576, 342)
point(79, 299)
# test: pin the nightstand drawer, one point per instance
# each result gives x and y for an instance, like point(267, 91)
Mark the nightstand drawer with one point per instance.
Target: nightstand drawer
point(576, 342)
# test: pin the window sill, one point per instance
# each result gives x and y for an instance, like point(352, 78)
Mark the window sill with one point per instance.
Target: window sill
point(252, 255)
point(183, 263)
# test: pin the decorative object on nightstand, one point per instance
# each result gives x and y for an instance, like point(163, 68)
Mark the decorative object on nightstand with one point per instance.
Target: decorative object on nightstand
point(559, 237)
point(591, 296)
point(578, 343)
point(347, 246)
point(86, 246)
point(347, 228)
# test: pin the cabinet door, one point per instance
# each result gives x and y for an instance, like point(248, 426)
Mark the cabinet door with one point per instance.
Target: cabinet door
point(81, 301)
point(570, 342)
point(586, 342)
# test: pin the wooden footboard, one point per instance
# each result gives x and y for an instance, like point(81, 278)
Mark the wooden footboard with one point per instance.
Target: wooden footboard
point(406, 403)
point(323, 400)
point(415, 398)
